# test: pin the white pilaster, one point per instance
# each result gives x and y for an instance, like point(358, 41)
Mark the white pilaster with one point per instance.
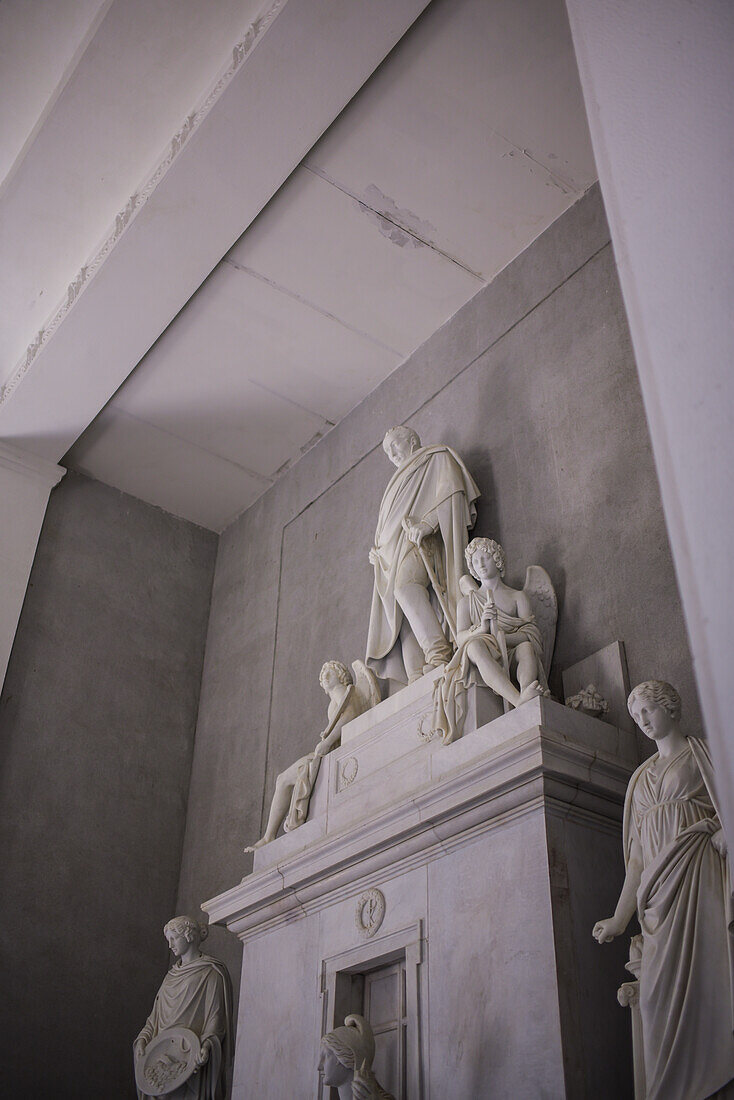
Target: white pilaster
point(25, 484)
point(657, 82)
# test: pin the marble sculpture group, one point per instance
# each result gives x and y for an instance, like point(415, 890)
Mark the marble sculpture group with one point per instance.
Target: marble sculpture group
point(440, 601)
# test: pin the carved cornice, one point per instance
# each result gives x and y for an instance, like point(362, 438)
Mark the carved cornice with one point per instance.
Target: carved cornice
point(536, 770)
point(138, 199)
point(24, 464)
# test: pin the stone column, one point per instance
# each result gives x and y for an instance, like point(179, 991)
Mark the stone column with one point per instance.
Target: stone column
point(656, 78)
point(25, 484)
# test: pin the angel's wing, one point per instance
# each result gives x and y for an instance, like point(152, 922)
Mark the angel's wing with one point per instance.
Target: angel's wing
point(366, 685)
point(541, 593)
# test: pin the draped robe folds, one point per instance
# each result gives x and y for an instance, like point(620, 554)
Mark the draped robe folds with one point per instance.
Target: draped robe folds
point(449, 692)
point(308, 770)
point(309, 765)
point(684, 908)
point(433, 486)
point(197, 996)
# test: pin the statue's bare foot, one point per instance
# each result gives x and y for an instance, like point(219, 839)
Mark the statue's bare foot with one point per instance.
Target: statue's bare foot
point(532, 691)
point(258, 844)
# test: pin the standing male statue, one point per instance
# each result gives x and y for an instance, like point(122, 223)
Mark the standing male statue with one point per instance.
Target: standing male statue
point(418, 557)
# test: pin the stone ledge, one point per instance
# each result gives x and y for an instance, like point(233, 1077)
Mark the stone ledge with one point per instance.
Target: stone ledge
point(541, 755)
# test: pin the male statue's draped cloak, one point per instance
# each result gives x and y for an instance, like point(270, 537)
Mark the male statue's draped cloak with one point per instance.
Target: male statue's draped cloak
point(434, 486)
point(684, 909)
point(197, 996)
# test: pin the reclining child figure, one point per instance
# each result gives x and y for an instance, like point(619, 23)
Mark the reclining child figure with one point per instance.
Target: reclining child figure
point(294, 786)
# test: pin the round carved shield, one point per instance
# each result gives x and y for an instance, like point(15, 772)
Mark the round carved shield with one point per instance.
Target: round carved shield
point(168, 1061)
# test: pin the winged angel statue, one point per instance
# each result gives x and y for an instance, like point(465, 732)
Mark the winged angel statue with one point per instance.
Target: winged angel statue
point(349, 696)
point(505, 637)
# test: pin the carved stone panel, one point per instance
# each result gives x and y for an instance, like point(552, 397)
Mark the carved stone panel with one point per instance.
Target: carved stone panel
point(370, 911)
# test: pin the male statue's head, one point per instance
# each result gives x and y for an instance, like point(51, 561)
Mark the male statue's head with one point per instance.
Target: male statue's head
point(484, 557)
point(346, 1050)
point(334, 673)
point(182, 932)
point(655, 706)
point(400, 443)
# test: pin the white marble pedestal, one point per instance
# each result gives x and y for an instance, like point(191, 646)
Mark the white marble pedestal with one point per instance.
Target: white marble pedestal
point(478, 869)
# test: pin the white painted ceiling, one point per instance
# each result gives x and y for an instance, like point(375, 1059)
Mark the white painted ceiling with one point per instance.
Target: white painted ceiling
point(97, 125)
point(462, 147)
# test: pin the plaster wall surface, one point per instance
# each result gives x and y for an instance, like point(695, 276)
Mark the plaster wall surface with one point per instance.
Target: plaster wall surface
point(586, 971)
point(97, 723)
point(534, 383)
point(25, 484)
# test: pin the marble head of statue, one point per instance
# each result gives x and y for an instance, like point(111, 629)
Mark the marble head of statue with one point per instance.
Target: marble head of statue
point(400, 443)
point(488, 546)
point(346, 1061)
point(183, 932)
point(334, 672)
point(653, 695)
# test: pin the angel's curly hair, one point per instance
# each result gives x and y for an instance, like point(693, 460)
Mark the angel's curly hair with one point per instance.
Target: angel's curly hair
point(186, 926)
point(343, 674)
point(659, 692)
point(491, 547)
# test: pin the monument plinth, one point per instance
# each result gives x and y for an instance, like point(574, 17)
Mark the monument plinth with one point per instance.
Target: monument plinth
point(447, 893)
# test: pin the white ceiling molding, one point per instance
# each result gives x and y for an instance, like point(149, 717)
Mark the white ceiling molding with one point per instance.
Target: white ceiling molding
point(219, 170)
point(30, 466)
point(137, 200)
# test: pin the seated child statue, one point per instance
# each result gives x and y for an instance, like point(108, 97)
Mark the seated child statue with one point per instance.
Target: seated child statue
point(294, 786)
point(505, 637)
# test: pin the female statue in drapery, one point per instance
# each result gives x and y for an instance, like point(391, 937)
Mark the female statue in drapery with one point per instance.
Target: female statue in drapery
point(183, 1050)
point(678, 881)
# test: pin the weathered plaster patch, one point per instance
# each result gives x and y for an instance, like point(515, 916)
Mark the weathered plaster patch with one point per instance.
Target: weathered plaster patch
point(405, 229)
point(397, 223)
point(554, 179)
point(306, 447)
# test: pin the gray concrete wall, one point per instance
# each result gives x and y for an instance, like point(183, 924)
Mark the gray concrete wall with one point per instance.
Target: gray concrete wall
point(534, 383)
point(97, 722)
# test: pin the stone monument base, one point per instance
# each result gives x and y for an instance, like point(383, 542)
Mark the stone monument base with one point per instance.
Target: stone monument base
point(447, 892)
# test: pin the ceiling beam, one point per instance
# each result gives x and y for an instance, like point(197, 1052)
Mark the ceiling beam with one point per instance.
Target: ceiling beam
point(293, 73)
